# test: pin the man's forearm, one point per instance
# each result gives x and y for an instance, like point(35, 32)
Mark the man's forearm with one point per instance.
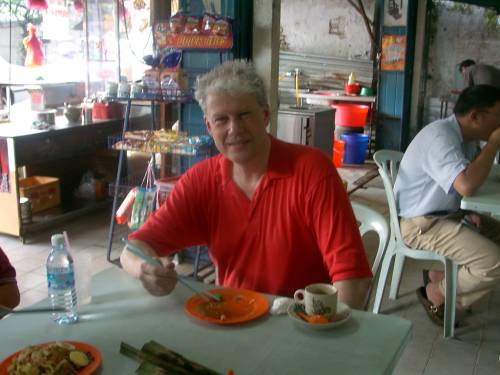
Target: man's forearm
point(477, 171)
point(353, 292)
point(132, 263)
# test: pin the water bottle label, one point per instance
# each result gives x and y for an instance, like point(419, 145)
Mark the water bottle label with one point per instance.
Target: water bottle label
point(61, 280)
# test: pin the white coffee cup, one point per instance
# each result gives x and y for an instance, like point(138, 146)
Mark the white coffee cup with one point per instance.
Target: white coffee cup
point(318, 299)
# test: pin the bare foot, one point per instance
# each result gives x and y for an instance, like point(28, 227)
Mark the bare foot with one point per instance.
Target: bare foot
point(434, 294)
point(436, 276)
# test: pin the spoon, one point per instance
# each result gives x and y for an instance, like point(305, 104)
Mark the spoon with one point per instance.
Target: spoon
point(155, 262)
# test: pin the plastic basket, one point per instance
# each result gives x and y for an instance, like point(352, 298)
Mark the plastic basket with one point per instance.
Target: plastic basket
point(43, 192)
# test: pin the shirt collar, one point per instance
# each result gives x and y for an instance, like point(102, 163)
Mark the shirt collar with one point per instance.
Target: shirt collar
point(457, 127)
point(279, 164)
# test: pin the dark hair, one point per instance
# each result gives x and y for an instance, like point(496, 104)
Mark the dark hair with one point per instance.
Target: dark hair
point(465, 64)
point(476, 97)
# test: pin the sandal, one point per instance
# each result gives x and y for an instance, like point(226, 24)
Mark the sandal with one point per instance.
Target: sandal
point(435, 313)
point(425, 277)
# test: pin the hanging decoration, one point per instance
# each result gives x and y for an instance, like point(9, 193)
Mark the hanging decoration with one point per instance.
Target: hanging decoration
point(33, 46)
point(206, 32)
point(36, 4)
point(78, 5)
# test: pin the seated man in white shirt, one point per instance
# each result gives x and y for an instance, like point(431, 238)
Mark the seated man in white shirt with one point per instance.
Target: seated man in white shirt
point(442, 164)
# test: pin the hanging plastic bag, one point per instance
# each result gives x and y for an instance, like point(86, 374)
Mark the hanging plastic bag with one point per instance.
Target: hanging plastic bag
point(145, 198)
point(124, 212)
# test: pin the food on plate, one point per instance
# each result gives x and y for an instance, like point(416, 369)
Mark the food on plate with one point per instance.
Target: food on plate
point(80, 359)
point(229, 308)
point(314, 319)
point(58, 358)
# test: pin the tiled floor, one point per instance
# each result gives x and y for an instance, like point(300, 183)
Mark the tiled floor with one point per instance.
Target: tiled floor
point(475, 351)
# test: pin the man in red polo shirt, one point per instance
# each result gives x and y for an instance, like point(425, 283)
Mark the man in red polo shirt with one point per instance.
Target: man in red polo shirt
point(274, 215)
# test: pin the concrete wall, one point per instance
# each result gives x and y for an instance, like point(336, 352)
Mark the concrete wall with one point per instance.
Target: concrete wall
point(458, 36)
point(265, 53)
point(326, 27)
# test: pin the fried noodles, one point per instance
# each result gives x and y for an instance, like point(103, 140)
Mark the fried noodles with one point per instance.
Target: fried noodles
point(51, 359)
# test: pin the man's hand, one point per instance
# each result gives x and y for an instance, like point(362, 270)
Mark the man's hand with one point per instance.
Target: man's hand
point(472, 177)
point(474, 220)
point(159, 281)
point(495, 138)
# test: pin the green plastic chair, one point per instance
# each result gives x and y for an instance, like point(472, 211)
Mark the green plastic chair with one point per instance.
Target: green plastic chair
point(388, 163)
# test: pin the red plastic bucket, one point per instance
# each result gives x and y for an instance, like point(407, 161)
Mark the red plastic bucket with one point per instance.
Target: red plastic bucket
point(338, 152)
point(353, 115)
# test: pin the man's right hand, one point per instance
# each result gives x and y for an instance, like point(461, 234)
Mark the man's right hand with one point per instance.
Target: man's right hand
point(495, 138)
point(159, 281)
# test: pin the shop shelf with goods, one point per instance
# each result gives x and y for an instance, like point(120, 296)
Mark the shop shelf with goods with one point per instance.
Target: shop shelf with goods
point(197, 58)
point(173, 151)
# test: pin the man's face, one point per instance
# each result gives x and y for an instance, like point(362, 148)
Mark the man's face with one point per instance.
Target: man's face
point(238, 126)
point(489, 121)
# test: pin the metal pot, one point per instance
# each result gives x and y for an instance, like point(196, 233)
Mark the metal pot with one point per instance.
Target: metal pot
point(72, 112)
point(48, 116)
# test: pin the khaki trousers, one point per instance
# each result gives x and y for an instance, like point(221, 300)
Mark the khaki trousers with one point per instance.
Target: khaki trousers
point(477, 254)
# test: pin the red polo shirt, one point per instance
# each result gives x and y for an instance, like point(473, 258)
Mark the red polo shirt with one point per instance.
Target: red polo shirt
point(298, 228)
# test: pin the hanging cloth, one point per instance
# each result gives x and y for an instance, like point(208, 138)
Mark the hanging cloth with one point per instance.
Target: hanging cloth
point(4, 164)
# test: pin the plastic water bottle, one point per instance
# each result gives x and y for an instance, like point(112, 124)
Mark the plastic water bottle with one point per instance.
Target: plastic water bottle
point(61, 281)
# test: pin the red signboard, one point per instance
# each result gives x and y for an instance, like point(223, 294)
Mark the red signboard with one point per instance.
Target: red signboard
point(165, 38)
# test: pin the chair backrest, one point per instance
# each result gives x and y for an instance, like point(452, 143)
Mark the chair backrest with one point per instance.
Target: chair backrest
point(389, 161)
point(388, 165)
point(371, 220)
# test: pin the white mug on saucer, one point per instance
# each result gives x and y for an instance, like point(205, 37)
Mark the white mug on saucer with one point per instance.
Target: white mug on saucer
point(318, 299)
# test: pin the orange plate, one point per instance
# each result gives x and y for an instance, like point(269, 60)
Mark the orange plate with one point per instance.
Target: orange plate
point(86, 348)
point(237, 306)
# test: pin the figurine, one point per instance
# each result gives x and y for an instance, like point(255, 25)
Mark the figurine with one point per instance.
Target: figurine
point(33, 46)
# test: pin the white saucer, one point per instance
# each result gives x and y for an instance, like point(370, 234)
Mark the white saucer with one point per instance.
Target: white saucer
point(342, 316)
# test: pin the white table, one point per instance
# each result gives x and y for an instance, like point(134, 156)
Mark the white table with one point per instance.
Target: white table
point(122, 311)
point(487, 197)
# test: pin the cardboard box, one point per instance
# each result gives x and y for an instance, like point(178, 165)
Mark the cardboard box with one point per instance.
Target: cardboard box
point(43, 192)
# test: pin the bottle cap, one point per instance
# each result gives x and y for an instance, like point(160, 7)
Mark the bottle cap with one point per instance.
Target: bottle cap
point(57, 239)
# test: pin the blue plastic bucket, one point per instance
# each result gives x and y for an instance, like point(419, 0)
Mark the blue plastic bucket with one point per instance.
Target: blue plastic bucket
point(355, 147)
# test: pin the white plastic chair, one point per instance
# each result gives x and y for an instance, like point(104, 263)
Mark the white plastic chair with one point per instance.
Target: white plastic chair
point(388, 162)
point(370, 220)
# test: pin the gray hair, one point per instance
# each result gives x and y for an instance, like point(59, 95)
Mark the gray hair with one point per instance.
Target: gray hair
point(234, 77)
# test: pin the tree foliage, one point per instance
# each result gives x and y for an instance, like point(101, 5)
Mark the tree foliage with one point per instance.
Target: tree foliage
point(19, 12)
point(20, 16)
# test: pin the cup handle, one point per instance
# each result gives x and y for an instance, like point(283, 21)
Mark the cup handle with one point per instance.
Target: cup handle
point(298, 296)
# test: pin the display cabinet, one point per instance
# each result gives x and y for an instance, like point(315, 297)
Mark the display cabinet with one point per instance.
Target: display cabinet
point(64, 152)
